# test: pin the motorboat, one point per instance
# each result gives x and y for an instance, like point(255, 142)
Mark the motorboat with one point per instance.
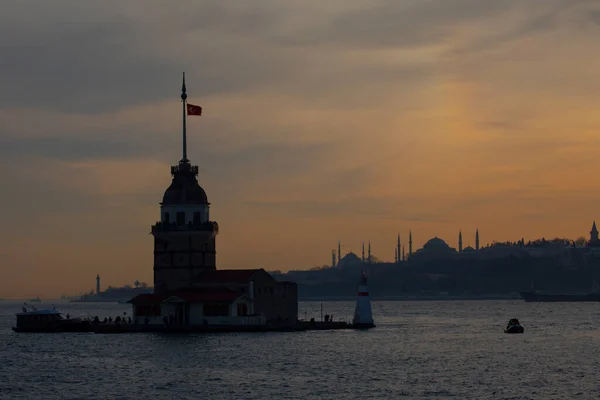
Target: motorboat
point(514, 326)
point(48, 320)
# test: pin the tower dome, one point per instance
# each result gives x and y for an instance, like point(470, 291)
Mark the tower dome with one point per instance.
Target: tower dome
point(184, 189)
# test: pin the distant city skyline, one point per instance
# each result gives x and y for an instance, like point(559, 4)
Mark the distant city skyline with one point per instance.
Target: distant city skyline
point(319, 123)
point(383, 256)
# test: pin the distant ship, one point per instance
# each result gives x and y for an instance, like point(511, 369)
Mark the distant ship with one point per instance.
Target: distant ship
point(559, 297)
point(535, 296)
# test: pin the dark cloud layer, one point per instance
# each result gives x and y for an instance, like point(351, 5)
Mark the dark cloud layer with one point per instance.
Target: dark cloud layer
point(396, 23)
point(91, 57)
point(70, 148)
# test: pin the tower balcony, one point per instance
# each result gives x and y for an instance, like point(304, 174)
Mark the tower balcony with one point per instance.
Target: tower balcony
point(184, 167)
point(162, 227)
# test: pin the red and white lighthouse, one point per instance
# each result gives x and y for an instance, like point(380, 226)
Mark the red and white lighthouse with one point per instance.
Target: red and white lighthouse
point(363, 317)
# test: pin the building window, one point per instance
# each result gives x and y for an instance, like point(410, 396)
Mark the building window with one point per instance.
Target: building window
point(216, 310)
point(180, 218)
point(196, 218)
point(242, 309)
point(167, 218)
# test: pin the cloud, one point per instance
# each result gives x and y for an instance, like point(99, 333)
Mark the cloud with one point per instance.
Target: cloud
point(392, 24)
point(95, 58)
point(68, 148)
point(323, 121)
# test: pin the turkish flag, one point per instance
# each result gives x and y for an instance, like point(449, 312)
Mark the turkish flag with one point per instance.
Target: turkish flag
point(194, 110)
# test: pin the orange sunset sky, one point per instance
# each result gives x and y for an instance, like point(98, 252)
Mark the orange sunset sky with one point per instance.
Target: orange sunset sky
point(323, 121)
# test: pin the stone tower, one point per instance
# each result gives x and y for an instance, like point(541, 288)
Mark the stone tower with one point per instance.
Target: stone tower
point(184, 238)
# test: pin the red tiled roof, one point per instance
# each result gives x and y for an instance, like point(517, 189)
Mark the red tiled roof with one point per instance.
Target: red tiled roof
point(202, 297)
point(190, 295)
point(147, 298)
point(227, 275)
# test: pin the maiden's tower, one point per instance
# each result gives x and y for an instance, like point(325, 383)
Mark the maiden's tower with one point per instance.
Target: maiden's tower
point(189, 291)
point(184, 238)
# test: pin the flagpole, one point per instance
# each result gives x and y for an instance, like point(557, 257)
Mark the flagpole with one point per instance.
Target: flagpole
point(183, 101)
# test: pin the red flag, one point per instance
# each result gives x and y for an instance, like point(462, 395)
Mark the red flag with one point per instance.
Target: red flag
point(193, 110)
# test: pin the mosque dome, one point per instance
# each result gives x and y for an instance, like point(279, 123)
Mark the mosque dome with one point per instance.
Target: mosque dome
point(350, 259)
point(184, 188)
point(436, 244)
point(468, 249)
point(435, 248)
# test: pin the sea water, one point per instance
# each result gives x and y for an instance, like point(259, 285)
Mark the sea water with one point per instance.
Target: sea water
point(419, 350)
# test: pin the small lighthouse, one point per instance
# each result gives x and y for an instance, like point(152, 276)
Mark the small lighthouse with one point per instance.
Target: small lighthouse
point(363, 317)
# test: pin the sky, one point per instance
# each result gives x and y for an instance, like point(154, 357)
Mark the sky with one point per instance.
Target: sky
point(349, 120)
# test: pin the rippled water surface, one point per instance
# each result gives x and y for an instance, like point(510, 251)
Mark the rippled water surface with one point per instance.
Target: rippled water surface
point(426, 349)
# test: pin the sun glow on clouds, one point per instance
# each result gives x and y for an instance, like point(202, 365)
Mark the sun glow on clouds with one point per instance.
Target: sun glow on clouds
point(347, 121)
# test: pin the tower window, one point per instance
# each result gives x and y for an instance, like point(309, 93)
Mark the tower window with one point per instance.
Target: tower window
point(196, 218)
point(180, 218)
point(167, 218)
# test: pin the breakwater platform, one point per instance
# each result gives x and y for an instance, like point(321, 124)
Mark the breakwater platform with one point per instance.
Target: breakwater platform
point(155, 328)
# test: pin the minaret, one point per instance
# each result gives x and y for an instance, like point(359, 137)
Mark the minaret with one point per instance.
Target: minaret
point(369, 256)
point(396, 256)
point(409, 243)
point(403, 258)
point(97, 285)
point(184, 238)
point(477, 239)
point(363, 251)
point(333, 263)
point(398, 249)
point(594, 233)
point(339, 252)
point(363, 316)
point(459, 241)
